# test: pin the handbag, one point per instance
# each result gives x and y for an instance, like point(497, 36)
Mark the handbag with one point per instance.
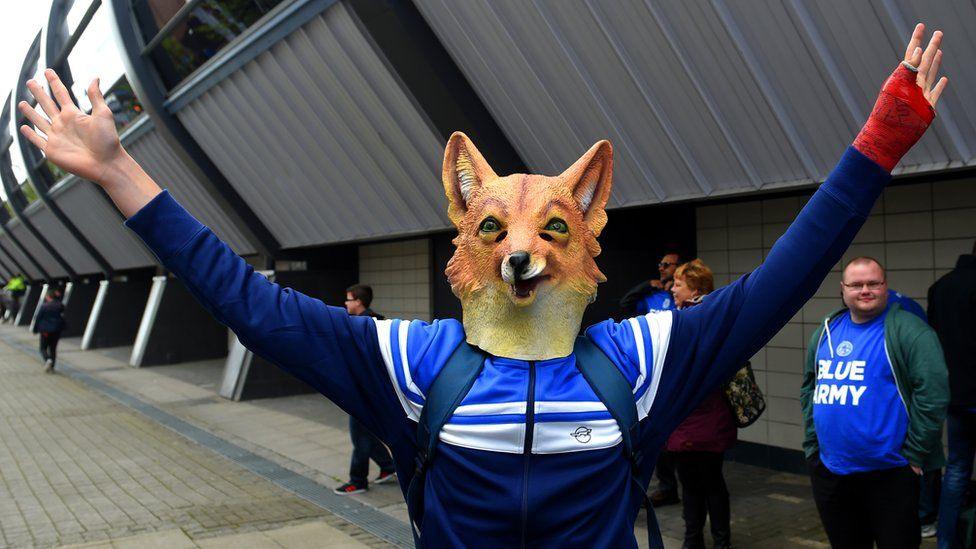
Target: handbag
point(744, 397)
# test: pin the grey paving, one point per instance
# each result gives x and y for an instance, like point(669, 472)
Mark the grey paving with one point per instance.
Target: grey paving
point(303, 436)
point(76, 466)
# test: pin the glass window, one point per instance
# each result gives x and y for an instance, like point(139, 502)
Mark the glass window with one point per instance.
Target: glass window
point(123, 102)
point(73, 18)
point(27, 189)
point(209, 27)
point(96, 55)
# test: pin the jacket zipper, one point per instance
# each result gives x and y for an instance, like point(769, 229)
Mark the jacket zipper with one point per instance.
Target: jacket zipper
point(527, 450)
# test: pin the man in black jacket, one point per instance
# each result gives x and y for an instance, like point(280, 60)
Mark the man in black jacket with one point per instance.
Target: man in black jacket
point(365, 445)
point(50, 324)
point(952, 312)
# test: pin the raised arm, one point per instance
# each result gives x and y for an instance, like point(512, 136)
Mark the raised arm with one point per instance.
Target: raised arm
point(708, 343)
point(337, 354)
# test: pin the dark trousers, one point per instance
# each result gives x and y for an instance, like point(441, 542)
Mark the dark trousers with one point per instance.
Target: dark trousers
point(49, 346)
point(703, 494)
point(928, 498)
point(667, 481)
point(861, 509)
point(961, 428)
point(366, 446)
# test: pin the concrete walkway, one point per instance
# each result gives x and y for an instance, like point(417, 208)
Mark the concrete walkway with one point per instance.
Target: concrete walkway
point(76, 467)
point(306, 435)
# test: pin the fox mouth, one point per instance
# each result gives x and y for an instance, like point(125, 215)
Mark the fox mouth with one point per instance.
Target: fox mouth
point(523, 289)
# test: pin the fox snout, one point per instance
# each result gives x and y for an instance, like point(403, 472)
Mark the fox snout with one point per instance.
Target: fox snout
point(519, 265)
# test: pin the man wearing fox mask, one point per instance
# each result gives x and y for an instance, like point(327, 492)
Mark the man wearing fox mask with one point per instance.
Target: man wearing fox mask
point(531, 456)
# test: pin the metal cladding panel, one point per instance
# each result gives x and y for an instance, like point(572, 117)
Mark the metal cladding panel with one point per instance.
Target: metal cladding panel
point(64, 242)
point(35, 248)
point(702, 97)
point(102, 224)
point(321, 141)
point(164, 165)
point(29, 270)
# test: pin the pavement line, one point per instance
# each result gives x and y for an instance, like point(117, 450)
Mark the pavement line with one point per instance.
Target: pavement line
point(368, 518)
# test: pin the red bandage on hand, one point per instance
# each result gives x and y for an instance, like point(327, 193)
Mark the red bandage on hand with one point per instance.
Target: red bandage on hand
point(900, 117)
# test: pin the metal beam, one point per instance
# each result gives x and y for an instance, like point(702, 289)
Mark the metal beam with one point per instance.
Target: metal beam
point(145, 81)
point(38, 172)
point(178, 18)
point(68, 43)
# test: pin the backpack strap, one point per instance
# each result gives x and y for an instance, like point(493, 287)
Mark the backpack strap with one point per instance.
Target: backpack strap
point(610, 386)
point(444, 396)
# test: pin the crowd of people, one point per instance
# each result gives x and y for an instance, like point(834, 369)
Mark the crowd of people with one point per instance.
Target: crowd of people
point(881, 377)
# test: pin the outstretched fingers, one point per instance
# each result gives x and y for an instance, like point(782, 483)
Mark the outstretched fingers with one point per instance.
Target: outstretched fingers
point(928, 57)
point(937, 90)
point(43, 99)
point(59, 91)
point(95, 96)
point(914, 45)
point(35, 117)
point(933, 71)
point(34, 137)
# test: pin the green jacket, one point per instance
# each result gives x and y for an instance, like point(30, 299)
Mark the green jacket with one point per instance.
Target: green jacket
point(15, 284)
point(920, 373)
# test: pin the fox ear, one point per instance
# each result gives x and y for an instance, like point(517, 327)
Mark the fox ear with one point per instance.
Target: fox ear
point(590, 179)
point(465, 170)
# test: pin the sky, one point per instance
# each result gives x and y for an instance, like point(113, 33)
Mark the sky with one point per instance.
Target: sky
point(19, 22)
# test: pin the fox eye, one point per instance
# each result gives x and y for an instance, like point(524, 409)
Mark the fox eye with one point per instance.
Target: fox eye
point(557, 225)
point(490, 225)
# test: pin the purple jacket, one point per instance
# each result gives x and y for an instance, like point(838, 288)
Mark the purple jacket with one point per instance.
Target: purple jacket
point(710, 428)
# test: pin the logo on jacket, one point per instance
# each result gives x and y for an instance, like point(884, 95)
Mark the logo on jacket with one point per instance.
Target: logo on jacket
point(582, 434)
point(845, 348)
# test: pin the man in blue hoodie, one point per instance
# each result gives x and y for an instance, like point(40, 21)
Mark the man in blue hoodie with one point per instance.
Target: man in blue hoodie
point(531, 457)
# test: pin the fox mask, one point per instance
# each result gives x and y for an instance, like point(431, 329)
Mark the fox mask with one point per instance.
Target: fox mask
point(524, 265)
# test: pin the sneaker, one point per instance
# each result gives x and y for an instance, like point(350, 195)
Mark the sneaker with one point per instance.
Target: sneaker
point(661, 498)
point(49, 365)
point(928, 530)
point(350, 488)
point(385, 476)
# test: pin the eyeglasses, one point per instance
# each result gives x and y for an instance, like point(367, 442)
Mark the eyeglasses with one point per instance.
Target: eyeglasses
point(353, 299)
point(872, 285)
point(665, 265)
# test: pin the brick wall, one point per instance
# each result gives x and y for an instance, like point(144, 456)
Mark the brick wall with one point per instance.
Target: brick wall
point(399, 273)
point(917, 231)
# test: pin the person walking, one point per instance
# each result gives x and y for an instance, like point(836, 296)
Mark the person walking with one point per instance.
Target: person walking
point(365, 445)
point(952, 313)
point(13, 290)
point(700, 442)
point(49, 324)
point(874, 396)
point(651, 296)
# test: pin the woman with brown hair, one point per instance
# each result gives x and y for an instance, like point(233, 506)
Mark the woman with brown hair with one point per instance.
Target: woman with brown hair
point(700, 442)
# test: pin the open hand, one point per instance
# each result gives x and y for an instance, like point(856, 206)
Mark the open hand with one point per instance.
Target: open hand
point(906, 106)
point(83, 144)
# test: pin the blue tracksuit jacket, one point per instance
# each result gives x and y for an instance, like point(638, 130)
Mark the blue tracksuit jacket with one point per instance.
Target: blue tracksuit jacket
point(531, 457)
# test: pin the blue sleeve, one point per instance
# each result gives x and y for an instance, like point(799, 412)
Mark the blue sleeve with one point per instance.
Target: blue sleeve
point(908, 304)
point(711, 341)
point(341, 356)
point(638, 347)
point(413, 353)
